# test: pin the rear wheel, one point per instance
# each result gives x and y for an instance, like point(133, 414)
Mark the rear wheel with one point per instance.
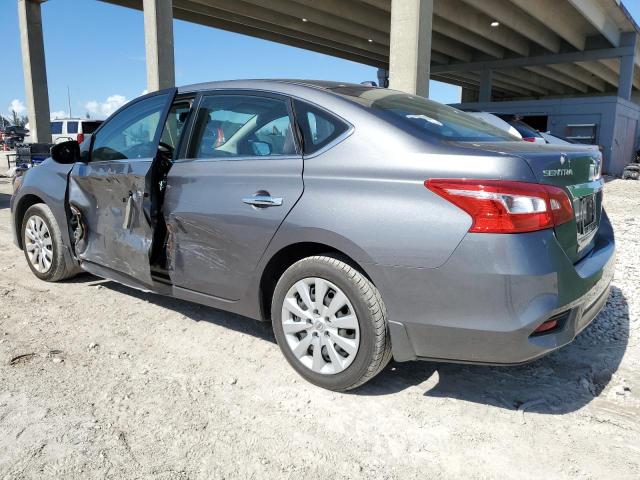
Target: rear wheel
point(43, 245)
point(330, 323)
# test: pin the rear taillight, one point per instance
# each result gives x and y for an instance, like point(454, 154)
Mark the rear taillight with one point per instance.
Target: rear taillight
point(498, 206)
point(529, 139)
point(80, 137)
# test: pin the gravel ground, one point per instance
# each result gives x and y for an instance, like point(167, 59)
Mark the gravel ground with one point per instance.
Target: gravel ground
point(121, 384)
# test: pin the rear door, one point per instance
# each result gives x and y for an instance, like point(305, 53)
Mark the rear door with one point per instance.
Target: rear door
point(111, 193)
point(240, 175)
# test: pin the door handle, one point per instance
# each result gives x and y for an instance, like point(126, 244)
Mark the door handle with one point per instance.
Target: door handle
point(263, 201)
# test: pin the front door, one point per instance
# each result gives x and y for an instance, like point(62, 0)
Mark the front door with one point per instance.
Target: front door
point(111, 192)
point(240, 176)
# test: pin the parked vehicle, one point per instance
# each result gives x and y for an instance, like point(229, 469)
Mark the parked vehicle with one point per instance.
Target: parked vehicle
point(12, 135)
point(65, 129)
point(365, 223)
point(527, 132)
point(496, 121)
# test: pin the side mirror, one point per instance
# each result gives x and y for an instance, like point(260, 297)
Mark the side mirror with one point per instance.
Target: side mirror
point(261, 149)
point(66, 152)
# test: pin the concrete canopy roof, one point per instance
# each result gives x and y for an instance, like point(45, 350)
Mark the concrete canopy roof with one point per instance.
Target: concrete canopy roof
point(541, 48)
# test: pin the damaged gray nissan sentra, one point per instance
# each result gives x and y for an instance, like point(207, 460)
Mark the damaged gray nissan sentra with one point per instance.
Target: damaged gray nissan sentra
point(363, 222)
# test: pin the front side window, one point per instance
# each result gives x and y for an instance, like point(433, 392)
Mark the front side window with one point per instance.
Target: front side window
point(56, 128)
point(131, 133)
point(422, 117)
point(240, 126)
point(72, 127)
point(174, 125)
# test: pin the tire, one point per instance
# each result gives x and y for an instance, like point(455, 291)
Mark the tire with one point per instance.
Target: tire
point(368, 339)
point(39, 228)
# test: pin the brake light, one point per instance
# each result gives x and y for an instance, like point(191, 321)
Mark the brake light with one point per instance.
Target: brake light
point(80, 138)
point(498, 206)
point(529, 139)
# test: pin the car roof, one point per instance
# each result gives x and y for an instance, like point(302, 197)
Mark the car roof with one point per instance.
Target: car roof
point(267, 84)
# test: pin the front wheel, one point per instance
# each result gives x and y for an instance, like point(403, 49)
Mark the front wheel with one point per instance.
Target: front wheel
point(330, 323)
point(43, 245)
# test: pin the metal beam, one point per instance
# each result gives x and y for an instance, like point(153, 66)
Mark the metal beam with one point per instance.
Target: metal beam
point(545, 71)
point(536, 79)
point(282, 36)
point(613, 64)
point(461, 14)
point(556, 58)
point(451, 48)
point(558, 16)
point(239, 8)
point(509, 80)
point(467, 37)
point(507, 14)
point(577, 73)
point(341, 19)
point(239, 23)
point(596, 16)
point(366, 16)
point(600, 71)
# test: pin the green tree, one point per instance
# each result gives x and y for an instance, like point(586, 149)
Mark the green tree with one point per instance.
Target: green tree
point(18, 120)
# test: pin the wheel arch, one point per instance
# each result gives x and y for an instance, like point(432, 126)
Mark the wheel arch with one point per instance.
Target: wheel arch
point(25, 202)
point(287, 256)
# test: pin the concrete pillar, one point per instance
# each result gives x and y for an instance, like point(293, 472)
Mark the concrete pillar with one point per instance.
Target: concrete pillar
point(158, 40)
point(410, 52)
point(627, 66)
point(34, 70)
point(383, 77)
point(486, 79)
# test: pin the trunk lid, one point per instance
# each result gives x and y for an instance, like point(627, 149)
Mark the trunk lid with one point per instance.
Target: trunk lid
point(574, 168)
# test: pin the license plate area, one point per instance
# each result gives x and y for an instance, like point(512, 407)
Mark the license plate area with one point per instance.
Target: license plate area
point(586, 215)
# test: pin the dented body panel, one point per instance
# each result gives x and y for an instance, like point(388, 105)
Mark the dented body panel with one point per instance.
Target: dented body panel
point(106, 193)
point(215, 239)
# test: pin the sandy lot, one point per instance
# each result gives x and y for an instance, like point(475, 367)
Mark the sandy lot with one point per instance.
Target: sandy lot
point(121, 384)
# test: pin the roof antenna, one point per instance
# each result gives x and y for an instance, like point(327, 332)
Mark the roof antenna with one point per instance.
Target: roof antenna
point(69, 101)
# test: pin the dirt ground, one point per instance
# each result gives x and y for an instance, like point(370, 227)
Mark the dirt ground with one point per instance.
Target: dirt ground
point(121, 384)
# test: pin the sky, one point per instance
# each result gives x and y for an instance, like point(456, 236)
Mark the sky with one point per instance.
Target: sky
point(97, 51)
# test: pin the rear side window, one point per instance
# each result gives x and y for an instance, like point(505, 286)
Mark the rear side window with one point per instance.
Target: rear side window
point(90, 127)
point(319, 128)
point(56, 128)
point(72, 127)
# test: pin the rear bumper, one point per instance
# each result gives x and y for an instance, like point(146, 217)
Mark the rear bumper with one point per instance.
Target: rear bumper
point(484, 304)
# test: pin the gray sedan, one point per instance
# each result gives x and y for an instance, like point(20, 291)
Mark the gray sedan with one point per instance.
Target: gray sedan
point(364, 223)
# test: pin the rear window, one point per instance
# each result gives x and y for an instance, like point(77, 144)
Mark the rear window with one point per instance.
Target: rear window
point(90, 127)
point(56, 128)
point(72, 127)
point(424, 117)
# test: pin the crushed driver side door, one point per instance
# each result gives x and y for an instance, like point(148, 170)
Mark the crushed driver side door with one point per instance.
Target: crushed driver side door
point(111, 195)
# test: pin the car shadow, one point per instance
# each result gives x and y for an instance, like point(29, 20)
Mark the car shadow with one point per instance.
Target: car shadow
point(193, 311)
point(5, 198)
point(561, 382)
